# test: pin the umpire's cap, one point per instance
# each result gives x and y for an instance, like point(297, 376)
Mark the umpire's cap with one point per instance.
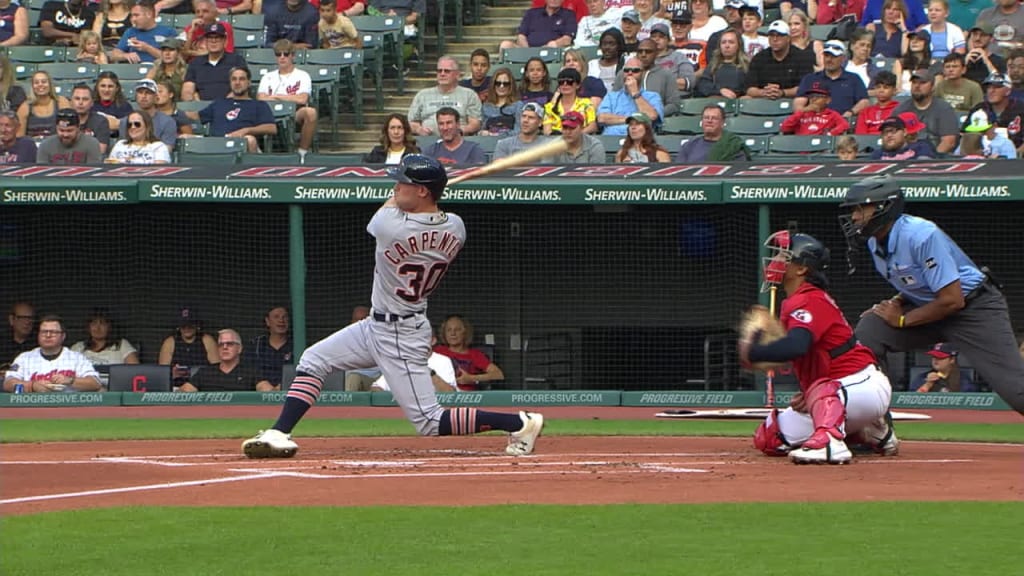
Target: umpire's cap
point(422, 170)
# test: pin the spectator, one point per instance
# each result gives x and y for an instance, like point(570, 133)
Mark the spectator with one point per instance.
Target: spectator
point(408, 10)
point(396, 142)
point(14, 149)
point(666, 58)
point(612, 47)
point(349, 8)
point(639, 146)
point(895, 144)
point(472, 365)
point(62, 21)
point(849, 96)
point(231, 7)
point(37, 116)
point(816, 117)
point(188, 348)
point(209, 77)
point(452, 148)
point(630, 29)
point(291, 84)
point(727, 74)
point(238, 115)
point(14, 20)
point(568, 99)
point(800, 36)
point(529, 134)
point(657, 79)
point(336, 29)
point(732, 17)
point(945, 375)
point(696, 51)
point(862, 44)
point(776, 73)
point(704, 23)
point(961, 93)
point(105, 344)
point(591, 27)
point(590, 87)
point(913, 13)
point(870, 120)
point(938, 117)
point(982, 138)
point(140, 42)
point(108, 99)
point(89, 50)
point(165, 128)
point(166, 103)
point(980, 61)
point(1009, 112)
point(891, 31)
point(831, 12)
point(90, 122)
point(194, 36)
point(618, 105)
point(171, 67)
point(1014, 68)
point(847, 148)
point(112, 19)
point(918, 56)
point(551, 26)
point(1007, 21)
point(69, 145)
point(501, 107)
point(536, 83)
point(11, 94)
point(297, 22)
point(22, 320)
point(230, 373)
point(268, 353)
point(582, 148)
point(479, 66)
point(947, 37)
point(140, 145)
point(442, 374)
point(447, 94)
point(753, 40)
point(52, 367)
point(645, 9)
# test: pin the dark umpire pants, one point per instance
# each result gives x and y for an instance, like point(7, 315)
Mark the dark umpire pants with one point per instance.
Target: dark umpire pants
point(981, 331)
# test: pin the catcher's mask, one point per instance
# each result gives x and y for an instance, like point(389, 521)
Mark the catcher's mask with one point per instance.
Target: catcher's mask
point(803, 249)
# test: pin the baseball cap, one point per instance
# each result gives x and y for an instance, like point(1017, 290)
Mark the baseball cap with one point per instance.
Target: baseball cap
point(631, 15)
point(818, 89)
point(923, 75)
point(187, 316)
point(171, 44)
point(905, 121)
point(750, 10)
point(682, 17)
point(638, 117)
point(943, 350)
point(779, 27)
point(835, 48)
point(67, 118)
point(535, 108)
point(922, 34)
point(661, 28)
point(572, 119)
point(146, 84)
point(980, 121)
point(737, 4)
point(998, 79)
point(984, 28)
point(215, 29)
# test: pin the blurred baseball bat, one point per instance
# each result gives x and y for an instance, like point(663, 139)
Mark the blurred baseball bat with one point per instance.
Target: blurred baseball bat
point(769, 381)
point(528, 156)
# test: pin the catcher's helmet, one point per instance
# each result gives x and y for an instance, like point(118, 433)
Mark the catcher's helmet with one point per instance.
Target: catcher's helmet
point(881, 191)
point(422, 170)
point(803, 249)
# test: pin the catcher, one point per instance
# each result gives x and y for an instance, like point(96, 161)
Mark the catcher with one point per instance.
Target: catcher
point(841, 388)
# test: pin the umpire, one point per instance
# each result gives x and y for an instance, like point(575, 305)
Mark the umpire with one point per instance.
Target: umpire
point(942, 295)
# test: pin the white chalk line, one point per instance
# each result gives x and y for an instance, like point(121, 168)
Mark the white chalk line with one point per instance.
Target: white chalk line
point(161, 486)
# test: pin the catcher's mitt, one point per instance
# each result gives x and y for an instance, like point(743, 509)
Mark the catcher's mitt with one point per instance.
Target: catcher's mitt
point(758, 326)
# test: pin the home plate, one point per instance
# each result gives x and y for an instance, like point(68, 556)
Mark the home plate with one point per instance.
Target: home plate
point(755, 414)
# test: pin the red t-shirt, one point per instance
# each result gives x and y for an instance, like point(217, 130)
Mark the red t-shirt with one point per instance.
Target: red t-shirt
point(812, 123)
point(869, 121)
point(813, 309)
point(472, 361)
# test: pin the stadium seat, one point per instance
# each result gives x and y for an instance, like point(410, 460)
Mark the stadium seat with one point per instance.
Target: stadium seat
point(210, 150)
point(513, 56)
point(681, 125)
point(672, 142)
point(245, 39)
point(753, 126)
point(487, 143)
point(247, 22)
point(792, 144)
point(765, 107)
point(821, 31)
point(883, 63)
point(373, 61)
point(71, 72)
point(394, 39)
point(591, 52)
point(867, 143)
point(128, 74)
point(36, 54)
point(758, 145)
point(611, 145)
point(23, 70)
point(695, 106)
point(264, 56)
point(347, 64)
point(284, 117)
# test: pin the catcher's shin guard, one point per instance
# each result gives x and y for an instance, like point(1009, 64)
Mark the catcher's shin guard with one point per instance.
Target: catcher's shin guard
point(768, 436)
point(828, 411)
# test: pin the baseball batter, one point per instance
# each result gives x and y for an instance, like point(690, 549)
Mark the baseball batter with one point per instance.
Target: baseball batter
point(416, 243)
point(841, 389)
point(52, 367)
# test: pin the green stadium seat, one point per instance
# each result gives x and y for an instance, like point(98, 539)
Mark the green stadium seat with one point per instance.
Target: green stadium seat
point(591, 52)
point(672, 142)
point(284, 117)
point(128, 74)
point(373, 61)
point(792, 144)
point(245, 39)
point(394, 39)
point(247, 21)
point(753, 125)
point(883, 63)
point(681, 125)
point(611, 145)
point(867, 143)
point(263, 56)
point(765, 107)
point(36, 54)
point(23, 70)
point(695, 106)
point(487, 143)
point(758, 145)
point(210, 150)
point(522, 55)
point(821, 31)
point(71, 72)
point(347, 65)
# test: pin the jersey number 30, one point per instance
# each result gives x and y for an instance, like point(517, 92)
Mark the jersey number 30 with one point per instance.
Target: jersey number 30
point(423, 280)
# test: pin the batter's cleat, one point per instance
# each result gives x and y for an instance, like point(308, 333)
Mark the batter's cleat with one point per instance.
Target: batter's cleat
point(521, 443)
point(270, 444)
point(835, 452)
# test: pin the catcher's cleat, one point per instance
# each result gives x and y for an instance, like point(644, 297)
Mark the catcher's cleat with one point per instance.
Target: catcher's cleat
point(270, 444)
point(521, 443)
point(879, 437)
point(834, 452)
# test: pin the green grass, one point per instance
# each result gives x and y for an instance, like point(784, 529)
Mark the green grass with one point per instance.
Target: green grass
point(891, 538)
point(150, 429)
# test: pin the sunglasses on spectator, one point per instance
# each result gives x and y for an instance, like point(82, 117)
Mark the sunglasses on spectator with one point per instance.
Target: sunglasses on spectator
point(51, 332)
point(279, 54)
point(564, 81)
point(445, 70)
point(135, 124)
point(502, 83)
point(632, 70)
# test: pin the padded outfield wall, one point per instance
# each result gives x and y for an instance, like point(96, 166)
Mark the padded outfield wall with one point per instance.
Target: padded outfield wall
point(622, 277)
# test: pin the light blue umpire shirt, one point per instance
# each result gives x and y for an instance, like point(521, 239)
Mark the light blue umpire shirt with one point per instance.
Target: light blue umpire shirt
point(920, 259)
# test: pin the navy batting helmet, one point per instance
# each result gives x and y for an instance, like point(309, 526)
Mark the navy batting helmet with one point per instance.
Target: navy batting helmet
point(881, 191)
point(422, 170)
